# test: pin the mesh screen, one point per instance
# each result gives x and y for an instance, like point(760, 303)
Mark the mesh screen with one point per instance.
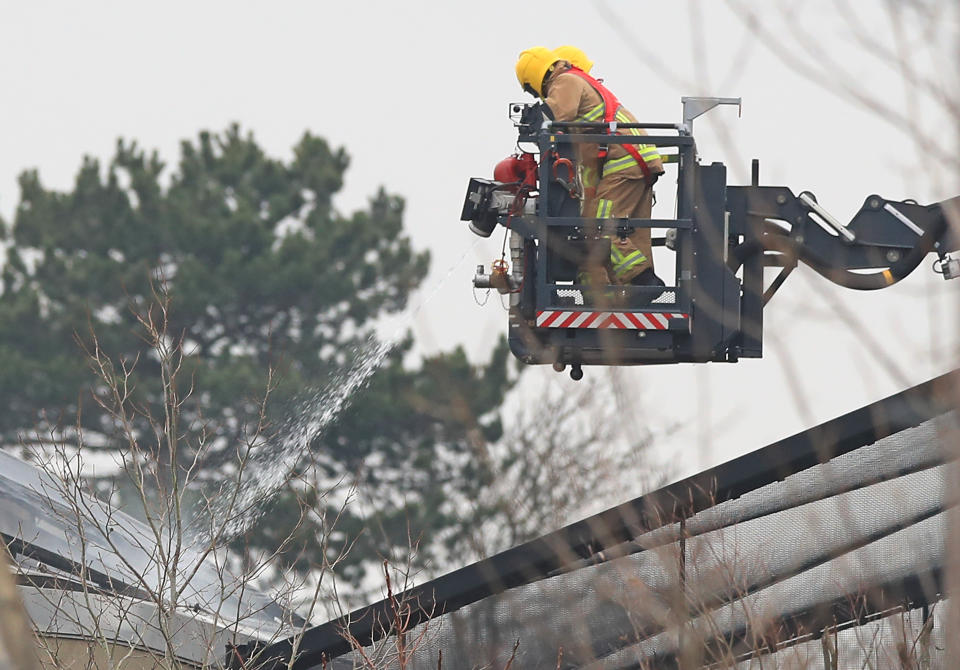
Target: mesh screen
point(569, 296)
point(666, 298)
point(843, 540)
point(572, 297)
point(912, 638)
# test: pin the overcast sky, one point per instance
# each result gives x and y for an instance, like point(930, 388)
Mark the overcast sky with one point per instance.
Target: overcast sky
point(417, 92)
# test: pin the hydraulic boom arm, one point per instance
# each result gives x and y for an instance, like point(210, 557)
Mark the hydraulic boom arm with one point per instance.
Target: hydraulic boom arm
point(893, 237)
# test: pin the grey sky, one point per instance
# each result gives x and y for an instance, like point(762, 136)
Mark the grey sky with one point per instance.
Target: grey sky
point(417, 92)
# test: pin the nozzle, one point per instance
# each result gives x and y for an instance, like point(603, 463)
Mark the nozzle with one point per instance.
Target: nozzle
point(499, 278)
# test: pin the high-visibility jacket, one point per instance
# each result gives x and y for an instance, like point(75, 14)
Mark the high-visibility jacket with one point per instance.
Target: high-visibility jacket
point(609, 111)
point(572, 97)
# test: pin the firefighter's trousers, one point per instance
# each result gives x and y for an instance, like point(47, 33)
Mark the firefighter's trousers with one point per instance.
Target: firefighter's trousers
point(621, 197)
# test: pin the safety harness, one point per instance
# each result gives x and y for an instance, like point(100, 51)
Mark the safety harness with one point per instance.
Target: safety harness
point(610, 108)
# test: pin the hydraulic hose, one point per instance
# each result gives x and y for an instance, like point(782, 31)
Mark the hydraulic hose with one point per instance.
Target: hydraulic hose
point(776, 239)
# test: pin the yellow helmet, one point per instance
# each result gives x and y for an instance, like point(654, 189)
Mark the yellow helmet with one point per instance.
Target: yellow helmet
point(575, 56)
point(532, 66)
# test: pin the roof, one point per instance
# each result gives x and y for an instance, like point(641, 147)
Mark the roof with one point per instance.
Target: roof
point(56, 533)
point(832, 525)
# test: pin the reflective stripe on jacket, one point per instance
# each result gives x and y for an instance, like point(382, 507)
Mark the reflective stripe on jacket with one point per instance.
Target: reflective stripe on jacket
point(648, 152)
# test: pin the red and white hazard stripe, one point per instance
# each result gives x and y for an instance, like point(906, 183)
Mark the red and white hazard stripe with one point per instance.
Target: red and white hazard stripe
point(626, 320)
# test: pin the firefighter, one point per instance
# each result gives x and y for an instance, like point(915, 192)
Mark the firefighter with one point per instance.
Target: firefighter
point(574, 56)
point(626, 175)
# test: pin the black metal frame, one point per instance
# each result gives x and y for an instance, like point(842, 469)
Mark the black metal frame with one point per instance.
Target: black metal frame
point(710, 331)
point(102, 582)
point(584, 540)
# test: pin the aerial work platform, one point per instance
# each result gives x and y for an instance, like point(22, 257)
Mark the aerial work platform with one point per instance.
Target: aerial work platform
point(723, 237)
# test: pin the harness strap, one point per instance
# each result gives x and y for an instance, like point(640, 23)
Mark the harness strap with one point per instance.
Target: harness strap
point(610, 108)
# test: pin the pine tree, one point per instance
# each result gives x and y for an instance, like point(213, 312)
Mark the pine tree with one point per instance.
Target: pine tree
point(262, 272)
